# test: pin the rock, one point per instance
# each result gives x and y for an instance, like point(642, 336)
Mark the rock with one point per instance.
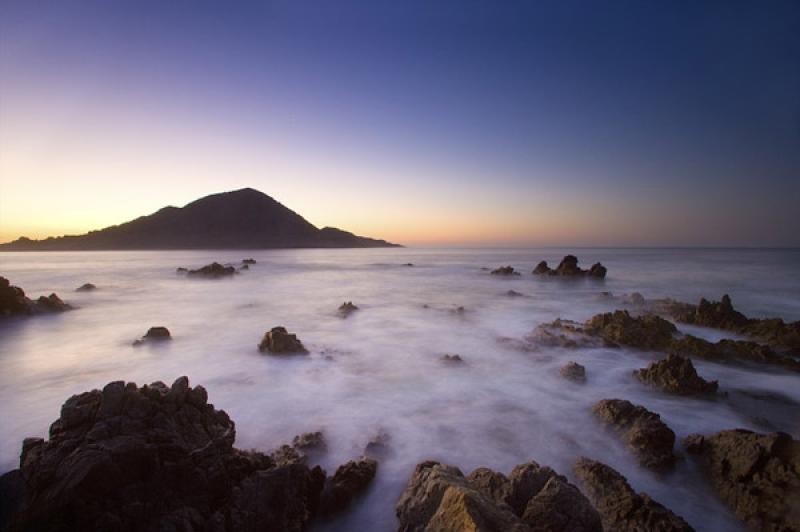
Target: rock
point(52, 303)
point(310, 442)
point(675, 374)
point(378, 446)
point(154, 334)
point(619, 506)
point(348, 482)
point(347, 308)
point(563, 333)
point(646, 435)
point(719, 315)
point(504, 270)
point(409, 264)
point(514, 293)
point(756, 475)
point(731, 352)
point(12, 495)
point(597, 271)
point(181, 269)
point(452, 359)
point(620, 328)
point(542, 269)
point(279, 341)
point(156, 458)
point(248, 261)
point(214, 270)
point(14, 302)
point(574, 372)
point(568, 267)
point(88, 287)
point(440, 498)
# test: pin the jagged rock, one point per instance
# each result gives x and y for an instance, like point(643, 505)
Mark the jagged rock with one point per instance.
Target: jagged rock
point(154, 334)
point(619, 506)
point(279, 341)
point(757, 475)
point(620, 328)
point(719, 315)
point(452, 359)
point(563, 333)
point(215, 270)
point(310, 442)
point(347, 308)
point(574, 372)
point(504, 270)
point(14, 302)
point(542, 269)
point(568, 267)
point(52, 303)
point(88, 287)
point(731, 352)
point(440, 498)
point(597, 270)
point(12, 495)
point(249, 261)
point(348, 482)
point(675, 374)
point(650, 439)
point(156, 458)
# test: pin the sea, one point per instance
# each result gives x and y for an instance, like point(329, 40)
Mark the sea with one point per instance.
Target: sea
point(379, 371)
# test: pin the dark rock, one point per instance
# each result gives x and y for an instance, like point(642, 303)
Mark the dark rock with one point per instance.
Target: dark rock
point(249, 261)
point(757, 475)
point(568, 267)
point(542, 269)
point(619, 506)
point(279, 341)
point(620, 328)
point(514, 293)
point(504, 270)
point(408, 264)
point(347, 308)
point(310, 442)
point(452, 359)
point(563, 333)
point(597, 270)
point(156, 458)
point(348, 482)
point(574, 372)
point(675, 374)
point(181, 269)
point(215, 270)
point(719, 315)
point(154, 334)
point(646, 435)
point(52, 303)
point(12, 495)
point(88, 287)
point(731, 352)
point(14, 302)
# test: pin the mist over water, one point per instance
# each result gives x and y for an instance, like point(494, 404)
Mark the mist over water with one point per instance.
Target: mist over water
point(380, 370)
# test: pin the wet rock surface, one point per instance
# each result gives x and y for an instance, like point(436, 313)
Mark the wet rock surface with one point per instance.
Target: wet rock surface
point(568, 267)
point(347, 483)
point(675, 374)
point(649, 438)
point(215, 270)
point(279, 341)
point(87, 287)
point(732, 352)
point(574, 372)
point(347, 308)
point(620, 507)
point(756, 475)
point(504, 270)
point(14, 302)
point(439, 498)
point(156, 458)
point(620, 328)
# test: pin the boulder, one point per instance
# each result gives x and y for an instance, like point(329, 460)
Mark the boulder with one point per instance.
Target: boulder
point(348, 482)
point(675, 374)
point(542, 269)
point(248, 261)
point(215, 270)
point(649, 438)
point(88, 287)
point(504, 270)
point(597, 271)
point(621, 508)
point(154, 334)
point(569, 267)
point(347, 308)
point(620, 328)
point(574, 372)
point(514, 293)
point(728, 351)
point(756, 475)
point(279, 341)
point(156, 458)
point(14, 302)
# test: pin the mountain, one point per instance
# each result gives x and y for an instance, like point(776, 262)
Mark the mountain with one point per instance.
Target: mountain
point(242, 219)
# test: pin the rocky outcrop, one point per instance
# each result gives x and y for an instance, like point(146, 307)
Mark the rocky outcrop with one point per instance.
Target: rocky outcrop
point(568, 267)
point(215, 270)
point(348, 482)
point(347, 308)
point(248, 261)
point(14, 302)
point(732, 352)
point(621, 508)
point(574, 372)
point(87, 287)
point(649, 438)
point(620, 328)
point(757, 475)
point(310, 442)
point(563, 333)
point(439, 498)
point(154, 334)
point(504, 270)
point(279, 341)
point(156, 458)
point(675, 374)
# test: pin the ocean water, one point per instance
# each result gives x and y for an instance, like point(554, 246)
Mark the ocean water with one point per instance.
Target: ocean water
point(379, 370)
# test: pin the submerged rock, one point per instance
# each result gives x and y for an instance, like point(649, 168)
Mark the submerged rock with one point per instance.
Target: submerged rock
point(504, 270)
point(731, 352)
point(154, 334)
point(279, 341)
point(378, 446)
point(621, 508)
point(248, 261)
point(514, 293)
point(574, 372)
point(650, 439)
point(757, 475)
point(14, 302)
point(244, 267)
point(156, 458)
point(675, 374)
point(452, 359)
point(348, 482)
point(568, 267)
point(620, 328)
point(215, 270)
point(439, 498)
point(347, 308)
point(88, 287)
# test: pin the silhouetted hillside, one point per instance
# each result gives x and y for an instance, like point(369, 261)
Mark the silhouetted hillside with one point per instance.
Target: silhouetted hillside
point(243, 218)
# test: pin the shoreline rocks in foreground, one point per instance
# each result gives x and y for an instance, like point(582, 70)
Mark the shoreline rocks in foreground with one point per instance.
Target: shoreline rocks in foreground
point(568, 267)
point(279, 341)
point(14, 302)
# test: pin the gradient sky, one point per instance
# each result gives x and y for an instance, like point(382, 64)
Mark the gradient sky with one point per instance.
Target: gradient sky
point(477, 123)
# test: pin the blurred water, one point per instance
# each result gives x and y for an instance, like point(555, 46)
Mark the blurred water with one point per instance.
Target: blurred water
point(379, 370)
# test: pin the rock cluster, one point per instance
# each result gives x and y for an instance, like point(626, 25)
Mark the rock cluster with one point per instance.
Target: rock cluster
point(439, 497)
point(621, 508)
point(348, 482)
point(675, 374)
point(347, 308)
point(215, 270)
point(574, 372)
point(154, 334)
point(279, 341)
point(504, 270)
point(650, 439)
point(728, 351)
point(568, 267)
point(14, 302)
point(87, 287)
point(620, 328)
point(757, 475)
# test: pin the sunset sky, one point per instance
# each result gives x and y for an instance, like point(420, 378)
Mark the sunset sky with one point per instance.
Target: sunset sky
point(453, 123)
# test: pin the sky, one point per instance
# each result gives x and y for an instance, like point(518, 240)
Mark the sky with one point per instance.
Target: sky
point(600, 123)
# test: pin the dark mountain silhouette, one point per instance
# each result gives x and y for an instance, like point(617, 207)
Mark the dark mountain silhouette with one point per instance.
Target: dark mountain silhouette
point(240, 219)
